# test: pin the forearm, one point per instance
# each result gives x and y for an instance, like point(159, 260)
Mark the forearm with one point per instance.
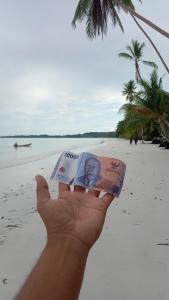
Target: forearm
point(59, 272)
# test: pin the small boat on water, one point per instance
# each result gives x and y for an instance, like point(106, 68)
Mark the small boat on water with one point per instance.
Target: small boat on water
point(23, 145)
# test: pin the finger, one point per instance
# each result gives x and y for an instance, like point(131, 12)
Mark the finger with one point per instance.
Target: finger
point(94, 193)
point(78, 188)
point(63, 188)
point(107, 199)
point(42, 189)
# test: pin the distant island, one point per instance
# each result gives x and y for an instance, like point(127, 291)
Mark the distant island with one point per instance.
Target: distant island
point(111, 134)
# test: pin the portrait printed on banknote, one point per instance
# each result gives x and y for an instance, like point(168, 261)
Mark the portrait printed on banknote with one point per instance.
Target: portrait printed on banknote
point(89, 171)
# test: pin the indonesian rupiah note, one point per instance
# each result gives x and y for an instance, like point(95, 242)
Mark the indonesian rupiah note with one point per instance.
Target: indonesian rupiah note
point(90, 171)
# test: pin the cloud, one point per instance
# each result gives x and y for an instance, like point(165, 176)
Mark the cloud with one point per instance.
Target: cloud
point(54, 79)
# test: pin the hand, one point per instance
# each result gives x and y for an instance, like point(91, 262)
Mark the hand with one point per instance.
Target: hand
point(79, 215)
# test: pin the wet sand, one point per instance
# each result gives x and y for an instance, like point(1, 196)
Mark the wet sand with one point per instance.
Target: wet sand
point(131, 259)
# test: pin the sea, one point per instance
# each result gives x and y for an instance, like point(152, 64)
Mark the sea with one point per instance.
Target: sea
point(41, 148)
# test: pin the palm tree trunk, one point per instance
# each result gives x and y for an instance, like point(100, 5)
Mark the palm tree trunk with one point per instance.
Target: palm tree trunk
point(150, 40)
point(142, 135)
point(143, 19)
point(138, 75)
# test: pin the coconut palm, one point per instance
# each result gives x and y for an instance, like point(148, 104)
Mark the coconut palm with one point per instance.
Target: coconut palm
point(152, 44)
point(129, 91)
point(135, 54)
point(149, 106)
point(153, 102)
point(97, 13)
point(120, 128)
point(136, 125)
point(134, 122)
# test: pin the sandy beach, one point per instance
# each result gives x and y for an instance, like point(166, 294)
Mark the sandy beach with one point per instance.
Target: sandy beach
point(131, 259)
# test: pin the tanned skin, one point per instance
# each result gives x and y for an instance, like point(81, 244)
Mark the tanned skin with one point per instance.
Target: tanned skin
point(73, 222)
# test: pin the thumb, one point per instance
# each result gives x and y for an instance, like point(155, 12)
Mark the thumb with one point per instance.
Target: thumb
point(42, 189)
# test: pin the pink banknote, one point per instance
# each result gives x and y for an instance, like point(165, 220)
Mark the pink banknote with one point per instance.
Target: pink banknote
point(90, 171)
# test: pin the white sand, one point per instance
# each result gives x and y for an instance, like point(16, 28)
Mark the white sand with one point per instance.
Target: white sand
point(127, 262)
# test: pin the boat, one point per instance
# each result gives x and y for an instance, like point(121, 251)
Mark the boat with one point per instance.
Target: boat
point(23, 145)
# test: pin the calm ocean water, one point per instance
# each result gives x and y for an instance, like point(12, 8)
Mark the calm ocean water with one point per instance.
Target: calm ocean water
point(41, 148)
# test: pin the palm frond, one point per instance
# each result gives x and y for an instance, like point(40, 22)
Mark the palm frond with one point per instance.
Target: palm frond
point(126, 108)
point(97, 13)
point(141, 46)
point(131, 50)
point(150, 63)
point(137, 48)
point(81, 11)
point(146, 112)
point(125, 55)
point(114, 16)
point(129, 91)
point(127, 3)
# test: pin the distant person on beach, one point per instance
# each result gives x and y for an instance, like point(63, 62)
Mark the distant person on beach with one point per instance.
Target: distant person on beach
point(136, 140)
point(131, 141)
point(74, 223)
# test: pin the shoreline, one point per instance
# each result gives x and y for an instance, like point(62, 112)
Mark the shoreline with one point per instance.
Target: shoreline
point(36, 157)
point(130, 260)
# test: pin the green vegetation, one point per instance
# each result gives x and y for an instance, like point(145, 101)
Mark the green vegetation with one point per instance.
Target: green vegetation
point(147, 110)
point(129, 91)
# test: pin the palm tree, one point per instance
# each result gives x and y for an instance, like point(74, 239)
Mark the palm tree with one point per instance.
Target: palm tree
point(134, 122)
point(97, 13)
point(153, 102)
point(152, 44)
point(149, 108)
point(129, 91)
point(135, 53)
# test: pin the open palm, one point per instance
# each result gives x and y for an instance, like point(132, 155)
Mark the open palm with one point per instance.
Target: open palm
point(78, 214)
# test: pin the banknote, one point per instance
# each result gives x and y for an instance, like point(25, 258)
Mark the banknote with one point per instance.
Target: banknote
point(90, 171)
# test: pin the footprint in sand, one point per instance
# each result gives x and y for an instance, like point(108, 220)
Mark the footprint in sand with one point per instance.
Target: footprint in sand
point(5, 200)
point(10, 226)
point(5, 281)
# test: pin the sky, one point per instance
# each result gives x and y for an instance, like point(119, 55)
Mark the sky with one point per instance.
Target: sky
point(54, 80)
